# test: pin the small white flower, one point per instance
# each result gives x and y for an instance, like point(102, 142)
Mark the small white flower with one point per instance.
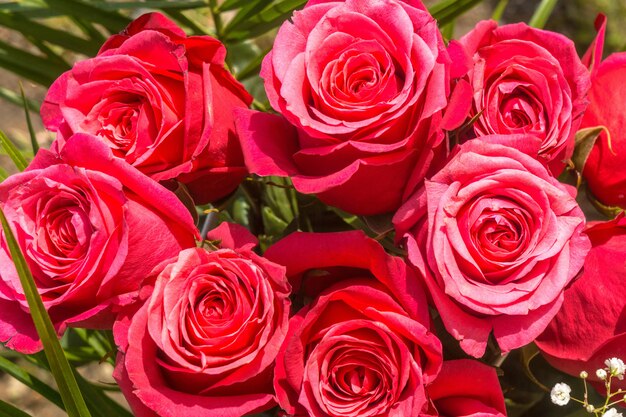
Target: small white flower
point(616, 367)
point(560, 394)
point(601, 373)
point(590, 408)
point(612, 412)
point(584, 374)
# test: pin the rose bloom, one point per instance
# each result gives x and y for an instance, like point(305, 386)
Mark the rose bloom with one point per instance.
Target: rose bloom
point(360, 85)
point(362, 346)
point(204, 341)
point(90, 227)
point(524, 80)
point(604, 170)
point(159, 99)
point(496, 239)
point(591, 325)
point(466, 388)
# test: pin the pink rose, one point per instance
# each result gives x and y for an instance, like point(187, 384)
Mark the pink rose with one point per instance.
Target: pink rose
point(526, 81)
point(90, 226)
point(591, 325)
point(604, 170)
point(204, 342)
point(362, 346)
point(496, 239)
point(159, 99)
point(466, 388)
point(361, 85)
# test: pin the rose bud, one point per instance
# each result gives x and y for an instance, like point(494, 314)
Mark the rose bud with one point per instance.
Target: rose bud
point(604, 169)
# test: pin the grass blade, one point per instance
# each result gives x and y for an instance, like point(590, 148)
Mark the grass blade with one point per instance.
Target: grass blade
point(542, 13)
point(31, 131)
point(14, 98)
point(447, 10)
point(3, 174)
point(113, 21)
point(8, 410)
point(15, 155)
point(60, 368)
point(499, 10)
point(31, 382)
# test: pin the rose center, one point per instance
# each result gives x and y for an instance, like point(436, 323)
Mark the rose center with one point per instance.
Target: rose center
point(118, 118)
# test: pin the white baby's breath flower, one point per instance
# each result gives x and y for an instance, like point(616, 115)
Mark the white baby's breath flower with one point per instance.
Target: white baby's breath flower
point(616, 367)
point(584, 374)
point(601, 373)
point(590, 408)
point(612, 412)
point(560, 394)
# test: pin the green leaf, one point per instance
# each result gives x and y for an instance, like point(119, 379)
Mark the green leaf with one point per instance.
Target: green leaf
point(446, 11)
point(113, 21)
point(29, 123)
point(251, 7)
point(498, 11)
point(31, 28)
point(585, 139)
point(31, 382)
point(542, 13)
point(60, 368)
point(8, 410)
point(3, 174)
point(15, 155)
point(36, 68)
point(101, 404)
point(268, 18)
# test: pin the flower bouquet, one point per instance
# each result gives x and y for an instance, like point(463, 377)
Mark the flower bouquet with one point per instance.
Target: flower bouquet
point(398, 223)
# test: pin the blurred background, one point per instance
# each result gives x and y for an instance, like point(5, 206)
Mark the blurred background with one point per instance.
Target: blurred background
point(39, 39)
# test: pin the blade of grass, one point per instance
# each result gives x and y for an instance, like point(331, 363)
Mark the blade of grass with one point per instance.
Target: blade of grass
point(542, 13)
point(29, 123)
point(31, 382)
point(60, 368)
point(447, 10)
point(3, 174)
point(8, 410)
point(14, 98)
point(113, 21)
point(15, 155)
point(498, 11)
point(29, 27)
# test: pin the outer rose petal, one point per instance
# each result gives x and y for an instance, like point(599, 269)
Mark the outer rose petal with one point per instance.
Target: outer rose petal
point(467, 388)
point(581, 339)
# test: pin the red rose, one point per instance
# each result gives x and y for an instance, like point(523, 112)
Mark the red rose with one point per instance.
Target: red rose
point(591, 325)
point(361, 85)
point(162, 101)
point(362, 346)
point(204, 342)
point(466, 388)
point(604, 170)
point(90, 226)
point(497, 239)
point(526, 80)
